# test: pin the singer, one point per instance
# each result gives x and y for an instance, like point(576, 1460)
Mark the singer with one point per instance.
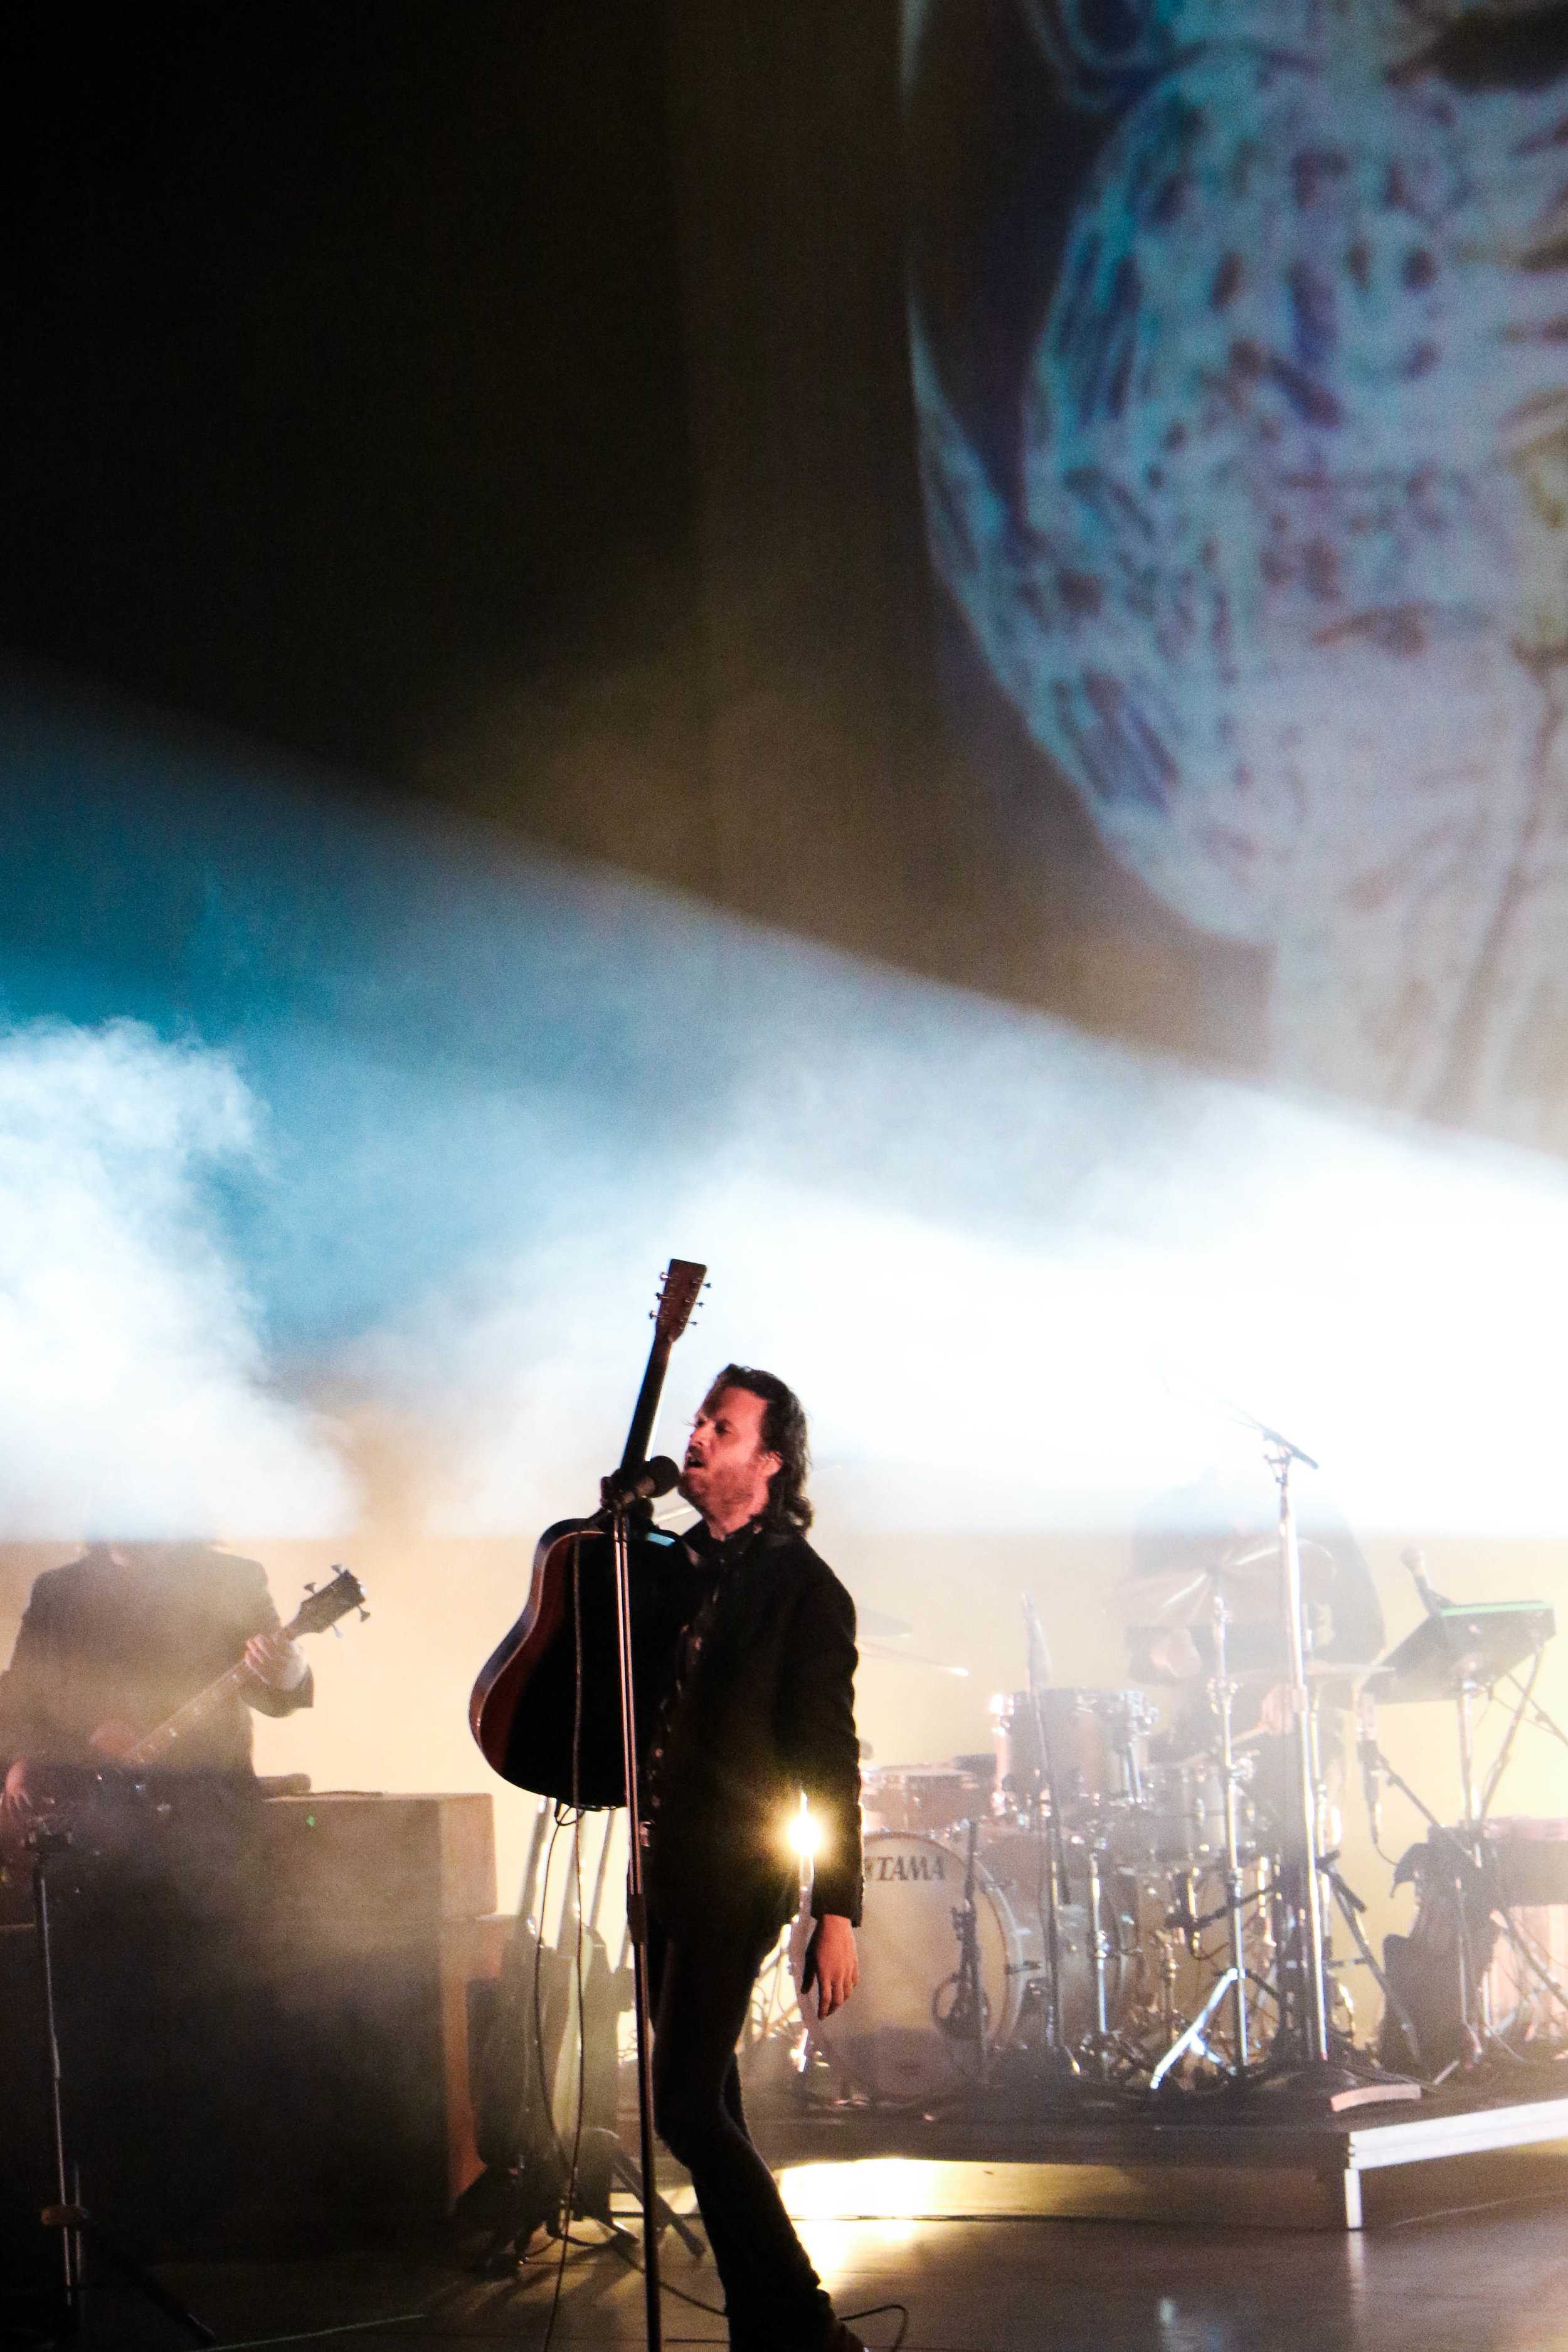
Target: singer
point(759, 1707)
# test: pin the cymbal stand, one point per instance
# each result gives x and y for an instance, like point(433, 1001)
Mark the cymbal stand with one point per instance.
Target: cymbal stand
point(1233, 1978)
point(1059, 2058)
point(1225, 1690)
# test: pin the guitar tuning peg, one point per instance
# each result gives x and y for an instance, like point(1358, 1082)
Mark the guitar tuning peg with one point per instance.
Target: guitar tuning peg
point(362, 1615)
point(309, 1588)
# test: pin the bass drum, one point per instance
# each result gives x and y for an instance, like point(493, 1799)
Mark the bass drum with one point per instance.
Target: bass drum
point(1016, 1864)
point(895, 2040)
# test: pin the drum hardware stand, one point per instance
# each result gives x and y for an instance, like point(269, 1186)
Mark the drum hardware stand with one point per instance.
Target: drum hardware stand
point(1351, 1908)
point(67, 2214)
point(1104, 2049)
point(967, 2013)
point(1233, 1979)
point(1225, 1690)
point(1099, 1946)
point(1060, 2063)
point(1192, 2039)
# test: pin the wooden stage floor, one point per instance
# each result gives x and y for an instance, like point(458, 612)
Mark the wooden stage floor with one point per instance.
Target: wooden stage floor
point(1487, 2276)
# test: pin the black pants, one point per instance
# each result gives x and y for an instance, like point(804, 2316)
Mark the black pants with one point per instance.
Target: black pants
point(700, 1982)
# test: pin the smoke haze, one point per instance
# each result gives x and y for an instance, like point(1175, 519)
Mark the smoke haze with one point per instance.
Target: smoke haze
point(134, 1390)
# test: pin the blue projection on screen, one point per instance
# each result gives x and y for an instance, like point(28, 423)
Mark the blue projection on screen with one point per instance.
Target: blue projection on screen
point(1262, 533)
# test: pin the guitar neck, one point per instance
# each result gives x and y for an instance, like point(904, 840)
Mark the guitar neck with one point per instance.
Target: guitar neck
point(315, 1613)
point(166, 1735)
point(646, 1412)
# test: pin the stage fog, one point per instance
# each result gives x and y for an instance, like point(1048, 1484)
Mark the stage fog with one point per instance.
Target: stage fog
point(340, 1159)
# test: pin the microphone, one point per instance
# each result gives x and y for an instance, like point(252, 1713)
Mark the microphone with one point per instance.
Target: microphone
point(624, 1486)
point(1414, 1559)
point(1370, 1766)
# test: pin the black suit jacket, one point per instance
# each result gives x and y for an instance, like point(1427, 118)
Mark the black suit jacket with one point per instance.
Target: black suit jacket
point(767, 1710)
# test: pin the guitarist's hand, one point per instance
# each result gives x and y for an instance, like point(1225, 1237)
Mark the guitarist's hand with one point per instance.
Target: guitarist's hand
point(17, 1811)
point(276, 1661)
point(112, 1741)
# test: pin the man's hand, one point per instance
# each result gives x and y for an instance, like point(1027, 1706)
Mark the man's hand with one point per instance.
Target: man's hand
point(17, 1811)
point(276, 1661)
point(113, 1741)
point(1174, 1653)
point(1277, 1710)
point(831, 1964)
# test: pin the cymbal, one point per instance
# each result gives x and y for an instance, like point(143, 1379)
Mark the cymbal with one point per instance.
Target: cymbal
point(912, 1658)
point(883, 1628)
point(1247, 1578)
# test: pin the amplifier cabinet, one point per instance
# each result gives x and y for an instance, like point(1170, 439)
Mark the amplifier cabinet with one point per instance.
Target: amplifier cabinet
point(264, 2044)
point(382, 1916)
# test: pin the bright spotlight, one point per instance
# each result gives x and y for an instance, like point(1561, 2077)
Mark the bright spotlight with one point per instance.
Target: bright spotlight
point(803, 1833)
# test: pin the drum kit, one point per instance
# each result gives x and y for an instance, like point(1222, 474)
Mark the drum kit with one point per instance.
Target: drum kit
point(1098, 1899)
point(1106, 1905)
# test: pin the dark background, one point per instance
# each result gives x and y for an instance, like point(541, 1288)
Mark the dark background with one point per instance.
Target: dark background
point(511, 406)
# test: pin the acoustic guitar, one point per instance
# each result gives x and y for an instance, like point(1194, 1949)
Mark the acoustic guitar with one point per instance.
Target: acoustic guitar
point(546, 1707)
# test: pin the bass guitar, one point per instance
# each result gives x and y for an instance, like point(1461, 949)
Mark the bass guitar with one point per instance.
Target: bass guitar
point(545, 1710)
point(63, 1793)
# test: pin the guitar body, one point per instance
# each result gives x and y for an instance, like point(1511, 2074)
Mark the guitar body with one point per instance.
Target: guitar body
point(526, 1712)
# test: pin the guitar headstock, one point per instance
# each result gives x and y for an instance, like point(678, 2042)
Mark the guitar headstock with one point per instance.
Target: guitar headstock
point(320, 1610)
point(679, 1289)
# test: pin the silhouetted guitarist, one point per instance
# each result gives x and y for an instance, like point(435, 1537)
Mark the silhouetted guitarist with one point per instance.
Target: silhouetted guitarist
point(119, 1639)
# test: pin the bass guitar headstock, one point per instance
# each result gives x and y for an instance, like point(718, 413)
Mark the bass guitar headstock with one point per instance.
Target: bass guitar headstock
point(320, 1610)
point(680, 1287)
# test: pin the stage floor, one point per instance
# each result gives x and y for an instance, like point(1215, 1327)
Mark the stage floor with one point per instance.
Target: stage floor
point(1478, 2278)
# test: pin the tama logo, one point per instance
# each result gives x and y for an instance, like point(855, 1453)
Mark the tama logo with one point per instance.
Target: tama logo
point(906, 1866)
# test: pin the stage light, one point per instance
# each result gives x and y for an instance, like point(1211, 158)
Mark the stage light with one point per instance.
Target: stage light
point(803, 1833)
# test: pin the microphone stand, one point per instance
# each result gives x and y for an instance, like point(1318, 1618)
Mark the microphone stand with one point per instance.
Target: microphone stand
point(78, 2229)
point(617, 1507)
point(1319, 2084)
